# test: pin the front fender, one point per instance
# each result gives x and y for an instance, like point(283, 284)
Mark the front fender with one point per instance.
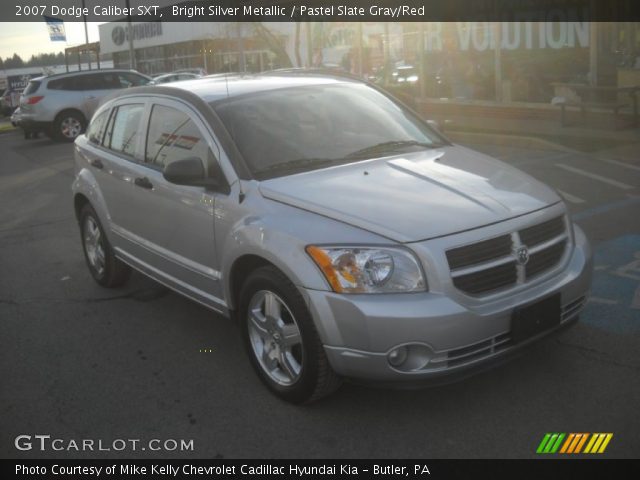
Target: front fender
point(284, 251)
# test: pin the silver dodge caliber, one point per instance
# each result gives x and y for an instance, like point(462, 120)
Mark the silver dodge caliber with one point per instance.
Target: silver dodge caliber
point(347, 237)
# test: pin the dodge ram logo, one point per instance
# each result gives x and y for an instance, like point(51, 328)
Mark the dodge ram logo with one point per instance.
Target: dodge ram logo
point(522, 255)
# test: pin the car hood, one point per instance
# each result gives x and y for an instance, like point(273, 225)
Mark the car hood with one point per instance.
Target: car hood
point(415, 196)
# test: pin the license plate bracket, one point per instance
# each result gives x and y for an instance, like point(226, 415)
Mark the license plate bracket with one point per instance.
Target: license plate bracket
point(529, 321)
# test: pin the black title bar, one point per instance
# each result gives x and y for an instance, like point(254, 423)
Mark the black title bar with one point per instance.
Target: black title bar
point(328, 469)
point(320, 10)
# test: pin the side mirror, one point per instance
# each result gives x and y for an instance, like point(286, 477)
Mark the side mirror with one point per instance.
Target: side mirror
point(190, 171)
point(187, 171)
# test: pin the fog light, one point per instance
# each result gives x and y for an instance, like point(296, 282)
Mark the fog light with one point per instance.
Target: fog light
point(398, 356)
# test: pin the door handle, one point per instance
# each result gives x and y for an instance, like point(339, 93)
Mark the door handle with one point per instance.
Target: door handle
point(143, 182)
point(97, 163)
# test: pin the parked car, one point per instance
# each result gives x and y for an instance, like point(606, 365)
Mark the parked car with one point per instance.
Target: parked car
point(347, 237)
point(15, 117)
point(173, 77)
point(16, 121)
point(62, 104)
point(197, 70)
point(9, 101)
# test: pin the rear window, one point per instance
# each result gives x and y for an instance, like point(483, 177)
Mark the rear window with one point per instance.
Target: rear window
point(32, 87)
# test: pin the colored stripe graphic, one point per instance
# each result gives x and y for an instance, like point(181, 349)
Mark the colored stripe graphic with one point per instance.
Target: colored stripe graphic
point(550, 443)
point(555, 447)
point(576, 439)
point(567, 443)
point(605, 443)
point(581, 443)
point(598, 443)
point(544, 441)
point(573, 443)
point(591, 442)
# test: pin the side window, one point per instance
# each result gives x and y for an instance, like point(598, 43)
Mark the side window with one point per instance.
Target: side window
point(173, 136)
point(56, 84)
point(95, 132)
point(123, 131)
point(127, 80)
point(110, 80)
point(88, 82)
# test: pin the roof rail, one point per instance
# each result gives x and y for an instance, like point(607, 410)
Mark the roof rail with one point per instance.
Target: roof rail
point(314, 71)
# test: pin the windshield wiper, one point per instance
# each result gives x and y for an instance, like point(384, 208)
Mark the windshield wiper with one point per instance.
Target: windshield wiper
point(390, 147)
point(301, 163)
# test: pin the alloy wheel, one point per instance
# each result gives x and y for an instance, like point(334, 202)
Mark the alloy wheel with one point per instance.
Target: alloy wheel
point(70, 127)
point(275, 337)
point(93, 245)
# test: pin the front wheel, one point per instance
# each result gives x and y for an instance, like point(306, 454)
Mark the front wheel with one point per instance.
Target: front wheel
point(281, 338)
point(105, 268)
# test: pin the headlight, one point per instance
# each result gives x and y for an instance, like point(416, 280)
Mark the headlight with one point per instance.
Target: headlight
point(369, 269)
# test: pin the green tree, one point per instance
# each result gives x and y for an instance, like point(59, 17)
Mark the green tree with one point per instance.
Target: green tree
point(14, 62)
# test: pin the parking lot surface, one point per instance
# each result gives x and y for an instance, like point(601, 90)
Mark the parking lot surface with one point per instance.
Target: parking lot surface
point(81, 362)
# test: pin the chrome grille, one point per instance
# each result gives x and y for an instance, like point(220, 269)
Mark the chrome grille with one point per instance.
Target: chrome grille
point(479, 252)
point(492, 264)
point(487, 280)
point(464, 355)
point(542, 232)
point(545, 259)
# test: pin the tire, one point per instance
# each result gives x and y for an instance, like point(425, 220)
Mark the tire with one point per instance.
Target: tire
point(68, 125)
point(283, 347)
point(104, 267)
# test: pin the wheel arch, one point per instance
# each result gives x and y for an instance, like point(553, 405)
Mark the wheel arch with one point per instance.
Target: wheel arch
point(79, 201)
point(240, 269)
point(71, 110)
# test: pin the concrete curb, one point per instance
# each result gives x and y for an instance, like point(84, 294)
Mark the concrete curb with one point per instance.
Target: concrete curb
point(507, 139)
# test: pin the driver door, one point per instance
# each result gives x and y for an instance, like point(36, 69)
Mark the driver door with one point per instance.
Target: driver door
point(173, 232)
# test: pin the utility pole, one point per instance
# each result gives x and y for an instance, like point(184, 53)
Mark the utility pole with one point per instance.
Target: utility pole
point(132, 58)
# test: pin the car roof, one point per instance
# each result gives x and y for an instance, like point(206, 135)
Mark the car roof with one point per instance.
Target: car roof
point(84, 72)
point(219, 86)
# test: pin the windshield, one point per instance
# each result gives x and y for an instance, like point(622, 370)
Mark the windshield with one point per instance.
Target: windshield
point(296, 129)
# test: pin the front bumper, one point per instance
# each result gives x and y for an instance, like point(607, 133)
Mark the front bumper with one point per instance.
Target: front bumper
point(455, 337)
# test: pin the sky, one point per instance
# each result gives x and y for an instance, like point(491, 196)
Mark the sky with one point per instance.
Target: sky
point(32, 38)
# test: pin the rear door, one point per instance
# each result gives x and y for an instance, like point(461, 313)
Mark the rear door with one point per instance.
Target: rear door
point(112, 147)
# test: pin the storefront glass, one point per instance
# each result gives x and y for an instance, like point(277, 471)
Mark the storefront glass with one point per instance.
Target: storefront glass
point(499, 62)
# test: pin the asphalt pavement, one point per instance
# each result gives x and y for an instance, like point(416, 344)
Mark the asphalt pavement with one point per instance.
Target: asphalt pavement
point(79, 362)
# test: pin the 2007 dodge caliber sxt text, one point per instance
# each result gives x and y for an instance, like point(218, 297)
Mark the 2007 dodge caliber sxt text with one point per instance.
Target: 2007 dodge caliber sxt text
point(346, 236)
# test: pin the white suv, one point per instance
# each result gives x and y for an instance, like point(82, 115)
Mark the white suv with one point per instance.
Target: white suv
point(61, 105)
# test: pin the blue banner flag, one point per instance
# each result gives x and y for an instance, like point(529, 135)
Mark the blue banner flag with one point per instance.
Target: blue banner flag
point(56, 29)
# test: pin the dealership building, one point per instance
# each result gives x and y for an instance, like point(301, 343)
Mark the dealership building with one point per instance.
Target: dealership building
point(445, 64)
